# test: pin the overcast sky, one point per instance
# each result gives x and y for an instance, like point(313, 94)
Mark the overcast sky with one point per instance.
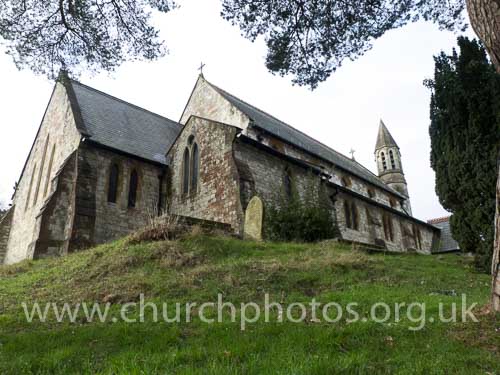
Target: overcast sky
point(344, 112)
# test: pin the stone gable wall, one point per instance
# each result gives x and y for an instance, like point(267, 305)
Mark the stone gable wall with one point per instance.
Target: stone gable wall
point(58, 125)
point(217, 195)
point(207, 103)
point(97, 220)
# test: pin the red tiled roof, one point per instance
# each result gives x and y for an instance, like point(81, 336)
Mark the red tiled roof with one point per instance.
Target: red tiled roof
point(439, 220)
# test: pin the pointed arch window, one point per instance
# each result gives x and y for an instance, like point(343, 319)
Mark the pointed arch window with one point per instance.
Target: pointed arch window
point(49, 171)
point(40, 172)
point(30, 188)
point(393, 162)
point(351, 215)
point(369, 218)
point(417, 237)
point(190, 174)
point(347, 214)
point(195, 167)
point(354, 216)
point(287, 182)
point(185, 172)
point(114, 175)
point(346, 181)
point(384, 161)
point(132, 191)
point(388, 227)
point(371, 193)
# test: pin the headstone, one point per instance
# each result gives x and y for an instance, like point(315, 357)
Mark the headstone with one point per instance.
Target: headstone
point(253, 219)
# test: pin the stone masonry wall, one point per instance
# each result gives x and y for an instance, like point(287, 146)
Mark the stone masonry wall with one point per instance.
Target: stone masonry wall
point(371, 228)
point(97, 220)
point(5, 226)
point(262, 174)
point(59, 136)
point(217, 195)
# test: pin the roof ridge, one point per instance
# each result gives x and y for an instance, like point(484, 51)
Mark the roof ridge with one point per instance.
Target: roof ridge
point(123, 101)
point(291, 127)
point(301, 132)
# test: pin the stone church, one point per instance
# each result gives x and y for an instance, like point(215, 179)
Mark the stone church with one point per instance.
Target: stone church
point(100, 168)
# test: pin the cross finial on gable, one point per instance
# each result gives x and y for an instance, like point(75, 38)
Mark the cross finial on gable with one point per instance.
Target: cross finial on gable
point(352, 153)
point(201, 68)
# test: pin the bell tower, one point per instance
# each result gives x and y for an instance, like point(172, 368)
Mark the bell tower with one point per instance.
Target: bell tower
point(390, 168)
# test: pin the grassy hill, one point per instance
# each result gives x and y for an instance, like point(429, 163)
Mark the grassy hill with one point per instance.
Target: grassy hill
point(198, 268)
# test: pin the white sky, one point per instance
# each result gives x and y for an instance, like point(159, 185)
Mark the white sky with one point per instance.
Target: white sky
point(343, 112)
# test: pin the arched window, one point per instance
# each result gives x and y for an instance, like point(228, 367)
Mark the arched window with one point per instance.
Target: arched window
point(354, 217)
point(392, 202)
point(40, 172)
point(132, 190)
point(195, 167)
point(346, 181)
point(114, 175)
point(391, 228)
point(393, 162)
point(347, 213)
point(369, 218)
point(30, 188)
point(185, 172)
point(371, 193)
point(388, 228)
point(49, 171)
point(384, 162)
point(417, 237)
point(385, 224)
point(287, 182)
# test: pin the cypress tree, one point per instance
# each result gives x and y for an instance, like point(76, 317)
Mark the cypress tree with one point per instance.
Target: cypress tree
point(465, 137)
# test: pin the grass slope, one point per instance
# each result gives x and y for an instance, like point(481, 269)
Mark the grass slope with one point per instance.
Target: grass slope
point(197, 268)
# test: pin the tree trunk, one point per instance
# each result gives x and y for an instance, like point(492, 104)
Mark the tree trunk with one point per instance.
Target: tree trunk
point(495, 268)
point(485, 20)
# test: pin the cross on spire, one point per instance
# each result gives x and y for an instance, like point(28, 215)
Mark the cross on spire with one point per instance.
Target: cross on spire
point(352, 153)
point(201, 68)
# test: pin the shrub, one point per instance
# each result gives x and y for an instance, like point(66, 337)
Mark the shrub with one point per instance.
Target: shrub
point(307, 219)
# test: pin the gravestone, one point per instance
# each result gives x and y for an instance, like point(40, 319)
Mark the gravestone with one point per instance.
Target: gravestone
point(253, 219)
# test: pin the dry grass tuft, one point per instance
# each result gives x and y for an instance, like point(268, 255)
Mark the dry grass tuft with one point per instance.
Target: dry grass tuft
point(171, 255)
point(15, 269)
point(161, 228)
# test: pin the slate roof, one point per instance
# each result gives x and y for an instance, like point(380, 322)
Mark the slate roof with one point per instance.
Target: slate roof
point(288, 133)
point(447, 242)
point(384, 138)
point(122, 126)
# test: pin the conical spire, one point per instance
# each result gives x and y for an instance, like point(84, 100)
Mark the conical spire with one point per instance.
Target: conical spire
point(384, 138)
